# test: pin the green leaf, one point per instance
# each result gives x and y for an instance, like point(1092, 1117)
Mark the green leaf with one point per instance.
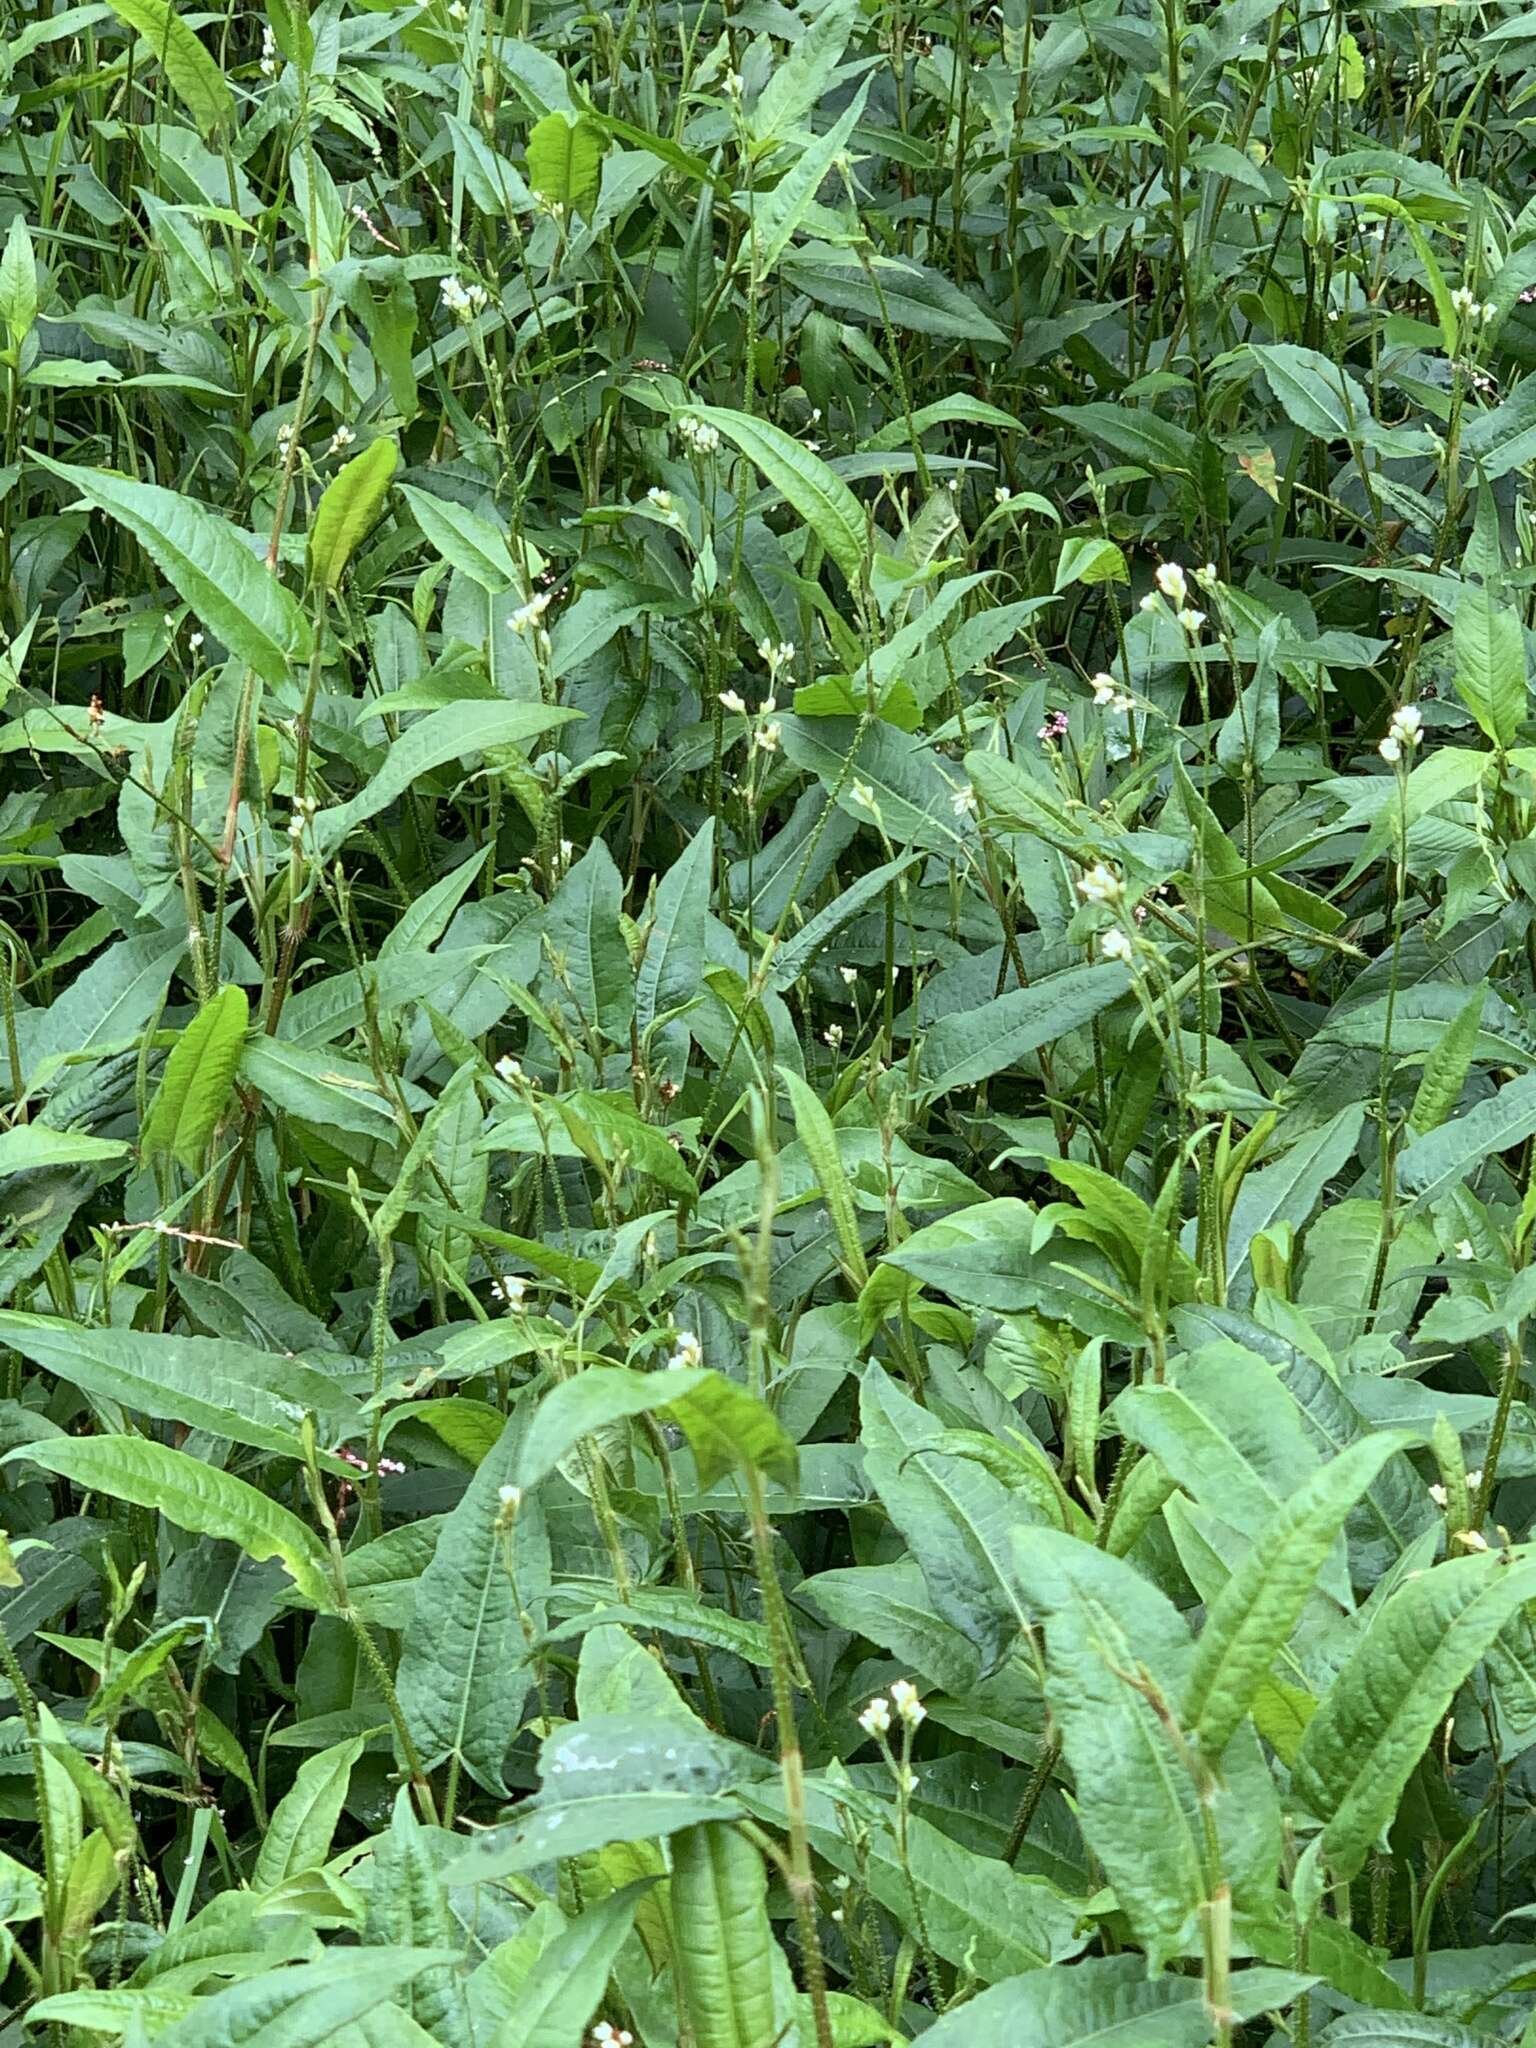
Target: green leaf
point(980, 1915)
point(462, 1680)
point(804, 481)
point(349, 505)
point(1378, 1715)
point(565, 162)
point(1446, 1068)
point(816, 1133)
point(298, 1836)
point(670, 970)
point(191, 1494)
point(724, 1955)
point(583, 935)
point(456, 733)
point(215, 1384)
point(1118, 1656)
point(1315, 394)
point(191, 73)
point(465, 540)
point(18, 283)
point(305, 2005)
point(1442, 1159)
point(212, 568)
point(26, 1147)
point(1489, 644)
point(199, 1074)
point(562, 1991)
point(799, 954)
point(972, 1045)
point(1251, 1621)
point(1104, 2002)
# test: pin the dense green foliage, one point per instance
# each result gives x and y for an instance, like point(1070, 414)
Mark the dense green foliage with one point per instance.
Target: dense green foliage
point(767, 1025)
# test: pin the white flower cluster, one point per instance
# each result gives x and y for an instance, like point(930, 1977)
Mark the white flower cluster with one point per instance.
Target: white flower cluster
point(1474, 311)
point(271, 64)
point(1100, 885)
point(1116, 945)
point(1173, 585)
point(1402, 734)
point(660, 499)
point(342, 438)
point(606, 2035)
point(903, 1705)
point(463, 300)
point(1108, 695)
point(303, 816)
point(687, 1352)
point(697, 434)
point(529, 614)
point(510, 1293)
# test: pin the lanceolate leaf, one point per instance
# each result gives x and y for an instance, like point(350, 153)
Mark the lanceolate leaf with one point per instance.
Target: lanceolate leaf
point(193, 76)
point(462, 1678)
point(222, 579)
point(1250, 1623)
point(199, 1074)
point(804, 481)
point(1381, 1710)
point(193, 1495)
point(350, 504)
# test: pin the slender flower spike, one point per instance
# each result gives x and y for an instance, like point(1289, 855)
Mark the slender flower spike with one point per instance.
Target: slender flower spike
point(963, 801)
point(876, 1717)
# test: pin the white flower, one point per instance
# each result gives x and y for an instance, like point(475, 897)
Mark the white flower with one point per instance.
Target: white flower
point(876, 1717)
point(661, 499)
point(1407, 724)
point(510, 1496)
point(529, 614)
point(463, 300)
point(733, 84)
point(687, 1352)
point(1100, 885)
point(1465, 1249)
point(1190, 619)
point(850, 975)
point(1487, 311)
point(1206, 577)
point(285, 435)
point(508, 1069)
point(1104, 687)
point(699, 436)
point(833, 1035)
point(1001, 495)
point(1389, 749)
point(962, 801)
point(907, 1704)
point(457, 11)
point(864, 797)
point(1475, 1478)
point(907, 1778)
point(567, 853)
point(1149, 602)
point(194, 641)
point(733, 701)
point(1170, 581)
point(767, 736)
point(1471, 1539)
point(511, 1292)
point(270, 63)
point(1438, 1495)
point(1116, 945)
